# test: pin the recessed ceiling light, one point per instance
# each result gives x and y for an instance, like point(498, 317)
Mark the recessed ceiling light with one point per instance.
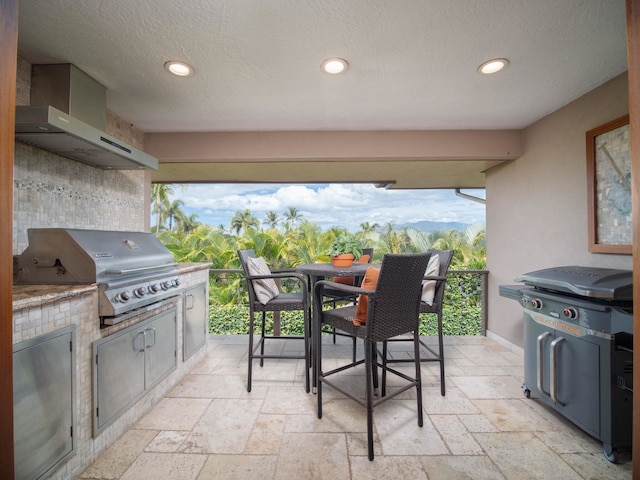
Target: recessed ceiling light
point(180, 69)
point(334, 66)
point(493, 66)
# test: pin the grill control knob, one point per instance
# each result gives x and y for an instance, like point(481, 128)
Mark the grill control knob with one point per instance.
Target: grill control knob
point(536, 303)
point(154, 288)
point(123, 296)
point(140, 292)
point(166, 285)
point(178, 282)
point(570, 313)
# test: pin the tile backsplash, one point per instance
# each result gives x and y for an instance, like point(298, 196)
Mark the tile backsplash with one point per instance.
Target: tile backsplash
point(53, 191)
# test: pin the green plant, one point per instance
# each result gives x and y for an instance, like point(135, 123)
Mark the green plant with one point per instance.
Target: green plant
point(346, 244)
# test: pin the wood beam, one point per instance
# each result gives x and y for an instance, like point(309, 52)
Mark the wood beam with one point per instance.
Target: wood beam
point(8, 69)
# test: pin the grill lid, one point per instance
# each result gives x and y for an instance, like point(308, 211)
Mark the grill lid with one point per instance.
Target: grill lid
point(67, 256)
point(592, 282)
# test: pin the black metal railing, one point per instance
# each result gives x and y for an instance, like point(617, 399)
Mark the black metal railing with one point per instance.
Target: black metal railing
point(466, 291)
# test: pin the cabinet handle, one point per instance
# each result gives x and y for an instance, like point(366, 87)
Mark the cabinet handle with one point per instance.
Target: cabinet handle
point(143, 342)
point(553, 381)
point(146, 345)
point(189, 298)
point(541, 338)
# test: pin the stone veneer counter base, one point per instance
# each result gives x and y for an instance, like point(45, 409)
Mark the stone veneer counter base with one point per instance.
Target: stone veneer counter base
point(40, 309)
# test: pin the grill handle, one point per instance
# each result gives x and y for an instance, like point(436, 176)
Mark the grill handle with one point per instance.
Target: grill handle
point(127, 271)
point(539, 341)
point(554, 369)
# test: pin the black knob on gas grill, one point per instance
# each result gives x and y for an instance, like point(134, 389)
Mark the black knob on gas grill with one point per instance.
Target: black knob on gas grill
point(571, 312)
point(166, 285)
point(154, 288)
point(536, 303)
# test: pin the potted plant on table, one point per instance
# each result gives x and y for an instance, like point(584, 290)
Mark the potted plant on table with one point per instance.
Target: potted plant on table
point(344, 250)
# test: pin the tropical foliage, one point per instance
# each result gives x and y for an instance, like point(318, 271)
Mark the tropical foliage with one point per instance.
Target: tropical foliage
point(289, 240)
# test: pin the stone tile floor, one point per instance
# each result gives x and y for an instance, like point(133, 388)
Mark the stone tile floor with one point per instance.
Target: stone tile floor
point(210, 427)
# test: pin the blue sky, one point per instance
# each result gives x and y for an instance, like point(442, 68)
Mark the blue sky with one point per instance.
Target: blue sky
point(340, 205)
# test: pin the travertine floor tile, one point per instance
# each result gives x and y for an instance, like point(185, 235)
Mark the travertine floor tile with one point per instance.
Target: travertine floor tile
point(174, 466)
point(114, 462)
point(209, 427)
point(266, 435)
point(342, 415)
point(397, 426)
point(167, 442)
point(215, 386)
point(455, 435)
point(174, 414)
point(453, 402)
point(313, 456)
point(596, 466)
point(224, 428)
point(493, 386)
point(239, 467)
point(387, 468)
point(292, 400)
point(206, 366)
point(522, 455)
point(514, 415)
point(461, 468)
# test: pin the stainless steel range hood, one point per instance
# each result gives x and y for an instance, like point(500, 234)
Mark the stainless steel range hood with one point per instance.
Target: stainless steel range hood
point(48, 128)
point(63, 102)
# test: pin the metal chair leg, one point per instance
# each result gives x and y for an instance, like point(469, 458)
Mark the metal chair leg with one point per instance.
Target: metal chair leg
point(251, 333)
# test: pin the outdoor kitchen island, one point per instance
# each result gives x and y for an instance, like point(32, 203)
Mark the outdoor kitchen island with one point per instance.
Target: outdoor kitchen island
point(47, 315)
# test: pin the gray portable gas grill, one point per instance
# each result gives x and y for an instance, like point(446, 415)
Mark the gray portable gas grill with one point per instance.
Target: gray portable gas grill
point(578, 343)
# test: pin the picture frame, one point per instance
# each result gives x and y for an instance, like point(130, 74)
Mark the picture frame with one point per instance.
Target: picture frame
point(609, 187)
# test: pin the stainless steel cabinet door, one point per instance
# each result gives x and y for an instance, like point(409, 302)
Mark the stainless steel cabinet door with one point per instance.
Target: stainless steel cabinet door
point(43, 399)
point(118, 374)
point(160, 344)
point(195, 319)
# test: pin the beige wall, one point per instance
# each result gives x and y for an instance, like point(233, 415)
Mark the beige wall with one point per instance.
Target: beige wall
point(537, 204)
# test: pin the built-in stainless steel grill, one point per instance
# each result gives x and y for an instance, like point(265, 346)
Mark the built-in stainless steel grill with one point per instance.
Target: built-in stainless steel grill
point(578, 343)
point(132, 270)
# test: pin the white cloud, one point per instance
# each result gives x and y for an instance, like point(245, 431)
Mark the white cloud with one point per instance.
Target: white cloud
point(346, 205)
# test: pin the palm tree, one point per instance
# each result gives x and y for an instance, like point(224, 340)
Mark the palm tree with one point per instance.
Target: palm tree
point(368, 228)
point(393, 241)
point(188, 224)
point(292, 216)
point(243, 221)
point(272, 219)
point(160, 193)
point(174, 213)
point(420, 240)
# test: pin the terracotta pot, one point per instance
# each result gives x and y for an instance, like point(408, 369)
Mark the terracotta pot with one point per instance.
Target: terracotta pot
point(343, 260)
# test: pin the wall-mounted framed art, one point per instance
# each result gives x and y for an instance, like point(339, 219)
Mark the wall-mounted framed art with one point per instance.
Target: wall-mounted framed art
point(609, 187)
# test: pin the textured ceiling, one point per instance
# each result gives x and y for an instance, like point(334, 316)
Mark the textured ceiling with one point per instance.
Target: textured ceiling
point(257, 62)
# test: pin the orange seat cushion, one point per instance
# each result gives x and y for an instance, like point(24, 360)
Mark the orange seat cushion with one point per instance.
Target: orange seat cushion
point(369, 282)
point(350, 280)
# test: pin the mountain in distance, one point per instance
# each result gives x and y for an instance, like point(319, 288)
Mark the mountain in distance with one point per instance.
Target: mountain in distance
point(428, 227)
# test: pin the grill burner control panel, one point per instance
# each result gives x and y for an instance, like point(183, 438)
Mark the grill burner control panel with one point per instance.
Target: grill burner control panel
point(125, 296)
point(139, 291)
point(549, 307)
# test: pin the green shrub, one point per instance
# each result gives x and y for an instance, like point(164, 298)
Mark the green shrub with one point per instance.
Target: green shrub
point(234, 320)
